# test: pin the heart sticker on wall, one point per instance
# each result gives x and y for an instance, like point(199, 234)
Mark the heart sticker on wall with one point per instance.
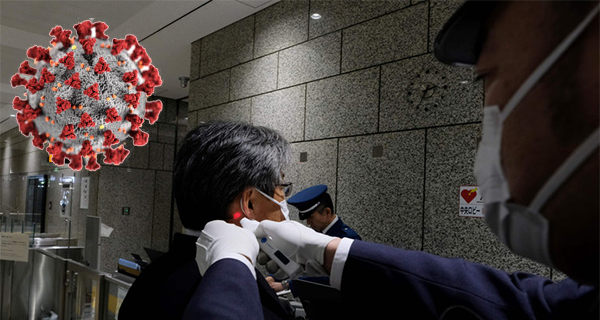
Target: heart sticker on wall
point(468, 195)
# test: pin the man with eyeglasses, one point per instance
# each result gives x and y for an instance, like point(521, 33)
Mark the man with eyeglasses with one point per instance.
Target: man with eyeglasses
point(222, 172)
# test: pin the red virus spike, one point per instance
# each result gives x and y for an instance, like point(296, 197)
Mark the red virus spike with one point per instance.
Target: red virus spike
point(101, 66)
point(100, 28)
point(68, 60)
point(88, 45)
point(132, 99)
point(109, 139)
point(140, 138)
point(74, 81)
point(115, 156)
point(19, 104)
point(47, 76)
point(25, 126)
point(30, 113)
point(62, 105)
point(153, 109)
point(81, 64)
point(16, 81)
point(131, 77)
point(86, 149)
point(147, 87)
point(39, 53)
point(92, 164)
point(86, 121)
point(38, 141)
point(92, 92)
point(34, 86)
point(112, 115)
point(135, 121)
point(26, 69)
point(60, 36)
point(55, 150)
point(68, 132)
point(152, 75)
point(75, 162)
point(83, 29)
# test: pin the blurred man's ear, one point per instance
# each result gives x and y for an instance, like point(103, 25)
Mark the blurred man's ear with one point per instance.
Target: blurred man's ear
point(327, 211)
point(247, 197)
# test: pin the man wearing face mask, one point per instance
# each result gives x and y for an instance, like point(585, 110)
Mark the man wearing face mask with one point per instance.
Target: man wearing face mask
point(537, 166)
point(222, 172)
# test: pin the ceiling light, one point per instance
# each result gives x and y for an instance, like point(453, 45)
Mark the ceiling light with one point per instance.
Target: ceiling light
point(315, 16)
point(13, 115)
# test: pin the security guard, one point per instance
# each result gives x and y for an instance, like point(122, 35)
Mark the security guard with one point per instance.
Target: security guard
point(315, 206)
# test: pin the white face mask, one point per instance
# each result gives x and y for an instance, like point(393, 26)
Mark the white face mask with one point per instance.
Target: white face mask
point(523, 229)
point(282, 205)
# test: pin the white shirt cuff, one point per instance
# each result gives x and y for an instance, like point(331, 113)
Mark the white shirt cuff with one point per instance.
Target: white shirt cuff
point(339, 260)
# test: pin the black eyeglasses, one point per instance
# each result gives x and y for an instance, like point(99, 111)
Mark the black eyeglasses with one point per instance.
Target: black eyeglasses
point(287, 188)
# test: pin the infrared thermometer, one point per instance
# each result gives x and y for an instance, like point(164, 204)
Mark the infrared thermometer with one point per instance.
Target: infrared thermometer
point(289, 266)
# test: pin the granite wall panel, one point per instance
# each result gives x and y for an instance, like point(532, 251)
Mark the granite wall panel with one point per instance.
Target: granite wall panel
point(255, 77)
point(391, 37)
point(315, 59)
point(450, 159)
point(336, 16)
point(125, 187)
point(210, 90)
point(313, 163)
point(422, 92)
point(282, 110)
point(227, 47)
point(279, 26)
point(343, 105)
point(380, 186)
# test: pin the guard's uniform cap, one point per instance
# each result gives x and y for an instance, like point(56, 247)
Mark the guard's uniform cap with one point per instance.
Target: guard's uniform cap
point(462, 37)
point(307, 200)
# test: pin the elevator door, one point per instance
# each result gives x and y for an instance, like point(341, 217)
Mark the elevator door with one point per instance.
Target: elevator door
point(35, 207)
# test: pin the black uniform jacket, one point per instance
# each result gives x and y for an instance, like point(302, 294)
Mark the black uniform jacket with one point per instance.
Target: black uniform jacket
point(165, 287)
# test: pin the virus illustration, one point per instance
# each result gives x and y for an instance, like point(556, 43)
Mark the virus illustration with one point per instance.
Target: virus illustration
point(86, 95)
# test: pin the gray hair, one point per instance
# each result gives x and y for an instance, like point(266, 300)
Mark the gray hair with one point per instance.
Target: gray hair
point(217, 161)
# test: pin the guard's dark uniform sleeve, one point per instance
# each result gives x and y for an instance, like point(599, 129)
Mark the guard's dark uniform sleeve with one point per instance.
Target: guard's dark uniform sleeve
point(227, 291)
point(383, 281)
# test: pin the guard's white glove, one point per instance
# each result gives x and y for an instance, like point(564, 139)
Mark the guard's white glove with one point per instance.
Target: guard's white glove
point(293, 239)
point(220, 240)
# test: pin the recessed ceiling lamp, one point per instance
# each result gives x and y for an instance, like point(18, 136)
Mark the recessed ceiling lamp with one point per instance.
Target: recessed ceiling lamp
point(315, 16)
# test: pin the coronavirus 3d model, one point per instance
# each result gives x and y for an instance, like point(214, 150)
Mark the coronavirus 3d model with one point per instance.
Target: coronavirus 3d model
point(86, 95)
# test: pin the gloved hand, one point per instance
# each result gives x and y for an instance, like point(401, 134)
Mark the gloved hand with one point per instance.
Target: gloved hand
point(293, 238)
point(220, 240)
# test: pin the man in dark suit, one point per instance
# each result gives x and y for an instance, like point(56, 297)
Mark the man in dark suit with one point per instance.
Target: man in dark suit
point(537, 166)
point(219, 168)
point(315, 206)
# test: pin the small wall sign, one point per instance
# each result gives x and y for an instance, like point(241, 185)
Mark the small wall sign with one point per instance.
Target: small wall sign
point(470, 202)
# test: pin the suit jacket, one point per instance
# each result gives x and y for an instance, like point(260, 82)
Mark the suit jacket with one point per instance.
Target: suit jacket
point(166, 287)
point(392, 280)
point(385, 282)
point(342, 230)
